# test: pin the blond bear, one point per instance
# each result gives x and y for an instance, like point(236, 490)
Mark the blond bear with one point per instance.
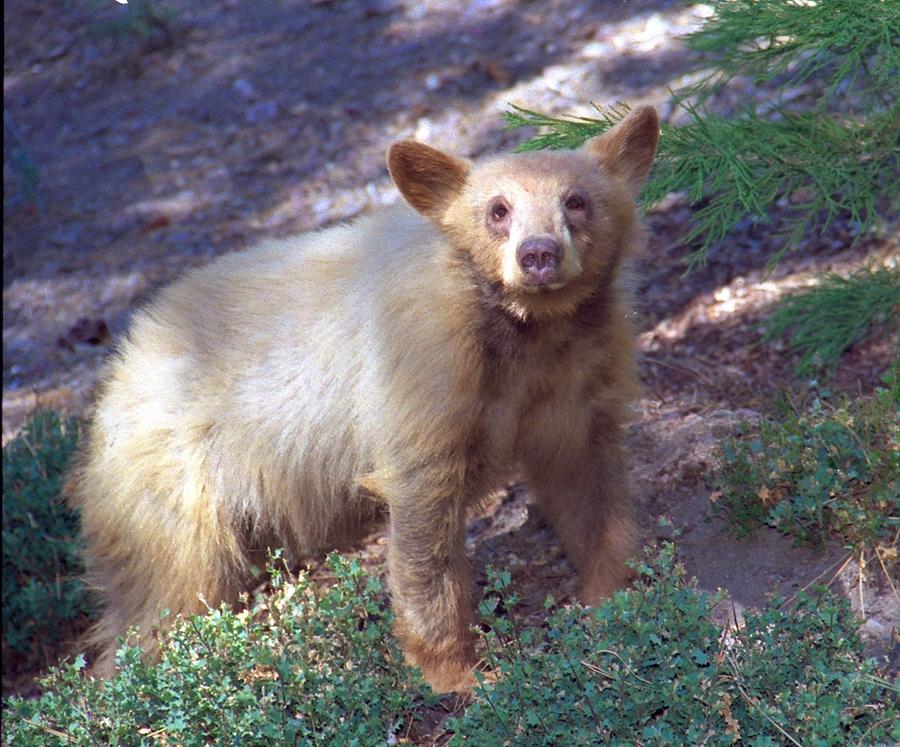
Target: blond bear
point(403, 366)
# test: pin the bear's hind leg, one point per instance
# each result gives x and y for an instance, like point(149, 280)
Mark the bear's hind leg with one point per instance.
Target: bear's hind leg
point(149, 553)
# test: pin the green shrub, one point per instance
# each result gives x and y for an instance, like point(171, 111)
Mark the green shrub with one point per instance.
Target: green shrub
point(42, 596)
point(318, 666)
point(309, 665)
point(650, 668)
point(306, 666)
point(826, 320)
point(26, 173)
point(828, 467)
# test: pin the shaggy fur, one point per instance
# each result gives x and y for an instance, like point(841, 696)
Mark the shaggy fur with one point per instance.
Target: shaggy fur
point(290, 394)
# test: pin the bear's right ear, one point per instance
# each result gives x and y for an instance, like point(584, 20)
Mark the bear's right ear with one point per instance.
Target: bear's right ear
point(428, 179)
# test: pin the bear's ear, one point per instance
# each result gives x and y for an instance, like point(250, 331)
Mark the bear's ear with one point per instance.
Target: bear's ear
point(627, 149)
point(426, 177)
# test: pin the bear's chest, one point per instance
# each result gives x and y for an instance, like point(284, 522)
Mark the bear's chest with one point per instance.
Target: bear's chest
point(534, 396)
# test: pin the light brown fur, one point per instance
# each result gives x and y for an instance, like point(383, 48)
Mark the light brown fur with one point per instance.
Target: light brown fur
point(290, 394)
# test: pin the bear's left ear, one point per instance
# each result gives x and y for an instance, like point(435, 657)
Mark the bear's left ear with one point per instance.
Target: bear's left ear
point(427, 178)
point(627, 149)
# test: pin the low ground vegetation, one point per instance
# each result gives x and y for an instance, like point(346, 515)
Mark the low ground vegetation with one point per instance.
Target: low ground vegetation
point(826, 467)
point(44, 600)
point(649, 665)
point(314, 665)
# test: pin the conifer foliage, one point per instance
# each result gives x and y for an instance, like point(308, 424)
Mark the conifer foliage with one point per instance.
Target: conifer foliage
point(821, 134)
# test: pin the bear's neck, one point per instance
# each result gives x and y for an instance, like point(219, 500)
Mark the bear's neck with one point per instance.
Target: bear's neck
point(508, 337)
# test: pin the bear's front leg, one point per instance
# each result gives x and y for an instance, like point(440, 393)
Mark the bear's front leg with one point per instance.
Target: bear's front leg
point(581, 489)
point(430, 579)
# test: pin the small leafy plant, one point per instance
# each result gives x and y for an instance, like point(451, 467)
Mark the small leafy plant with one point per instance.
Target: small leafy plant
point(24, 167)
point(306, 665)
point(43, 598)
point(142, 19)
point(649, 667)
point(830, 467)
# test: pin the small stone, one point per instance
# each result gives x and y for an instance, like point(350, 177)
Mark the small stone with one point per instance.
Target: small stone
point(873, 628)
point(265, 111)
point(244, 87)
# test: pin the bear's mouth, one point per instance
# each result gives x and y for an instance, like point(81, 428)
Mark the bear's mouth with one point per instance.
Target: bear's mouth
point(544, 288)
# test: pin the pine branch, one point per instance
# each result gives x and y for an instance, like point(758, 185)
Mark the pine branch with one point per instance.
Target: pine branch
point(846, 43)
point(740, 167)
point(735, 168)
point(826, 320)
point(565, 132)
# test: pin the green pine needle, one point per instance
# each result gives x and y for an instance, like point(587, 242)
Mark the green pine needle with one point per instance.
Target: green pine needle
point(842, 43)
point(826, 320)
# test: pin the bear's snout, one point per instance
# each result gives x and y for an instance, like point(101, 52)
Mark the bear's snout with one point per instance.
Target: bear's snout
point(540, 258)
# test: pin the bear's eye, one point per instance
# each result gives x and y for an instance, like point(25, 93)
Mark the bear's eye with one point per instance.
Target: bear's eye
point(575, 203)
point(499, 211)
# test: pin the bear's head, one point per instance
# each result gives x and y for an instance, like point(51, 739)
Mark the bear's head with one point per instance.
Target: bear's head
point(544, 230)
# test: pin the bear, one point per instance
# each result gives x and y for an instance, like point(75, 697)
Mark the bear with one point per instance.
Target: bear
point(397, 368)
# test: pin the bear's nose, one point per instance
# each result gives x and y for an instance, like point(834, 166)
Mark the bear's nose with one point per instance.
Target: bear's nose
point(539, 258)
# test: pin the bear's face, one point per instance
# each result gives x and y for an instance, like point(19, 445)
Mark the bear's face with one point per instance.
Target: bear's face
point(544, 229)
point(538, 223)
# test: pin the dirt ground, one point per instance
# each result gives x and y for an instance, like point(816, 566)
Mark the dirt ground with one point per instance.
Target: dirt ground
point(233, 121)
